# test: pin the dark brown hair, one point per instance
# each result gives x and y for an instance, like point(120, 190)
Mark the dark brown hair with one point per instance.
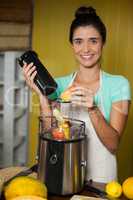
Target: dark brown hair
point(85, 16)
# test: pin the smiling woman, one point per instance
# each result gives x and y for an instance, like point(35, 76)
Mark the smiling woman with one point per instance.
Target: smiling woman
point(87, 45)
point(94, 93)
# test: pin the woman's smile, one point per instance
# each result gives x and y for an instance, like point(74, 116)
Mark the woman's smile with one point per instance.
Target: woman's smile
point(87, 57)
point(87, 46)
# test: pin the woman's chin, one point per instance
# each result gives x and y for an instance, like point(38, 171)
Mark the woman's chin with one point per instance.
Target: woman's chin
point(87, 66)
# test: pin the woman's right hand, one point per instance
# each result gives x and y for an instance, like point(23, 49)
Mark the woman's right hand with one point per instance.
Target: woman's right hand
point(29, 72)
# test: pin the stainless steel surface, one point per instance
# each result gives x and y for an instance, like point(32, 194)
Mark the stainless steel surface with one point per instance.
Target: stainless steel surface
point(42, 161)
point(73, 161)
point(74, 171)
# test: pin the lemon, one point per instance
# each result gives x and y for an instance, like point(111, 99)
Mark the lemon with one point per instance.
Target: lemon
point(127, 187)
point(113, 189)
point(29, 197)
point(25, 186)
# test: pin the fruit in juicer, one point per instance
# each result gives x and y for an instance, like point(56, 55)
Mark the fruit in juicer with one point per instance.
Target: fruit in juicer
point(58, 134)
point(66, 129)
point(58, 115)
point(66, 95)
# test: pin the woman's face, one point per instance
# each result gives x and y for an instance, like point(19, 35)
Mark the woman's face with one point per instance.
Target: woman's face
point(87, 45)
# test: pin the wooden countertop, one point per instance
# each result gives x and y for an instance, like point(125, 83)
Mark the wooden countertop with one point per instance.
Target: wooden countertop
point(84, 193)
point(7, 173)
point(91, 195)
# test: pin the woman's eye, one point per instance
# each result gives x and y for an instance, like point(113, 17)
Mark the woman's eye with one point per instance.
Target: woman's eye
point(77, 42)
point(94, 41)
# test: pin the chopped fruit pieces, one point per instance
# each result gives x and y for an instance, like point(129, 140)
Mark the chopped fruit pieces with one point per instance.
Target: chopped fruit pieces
point(58, 115)
point(63, 129)
point(58, 134)
point(65, 96)
point(66, 128)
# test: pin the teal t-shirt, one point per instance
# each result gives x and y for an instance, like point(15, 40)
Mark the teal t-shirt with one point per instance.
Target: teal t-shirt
point(113, 88)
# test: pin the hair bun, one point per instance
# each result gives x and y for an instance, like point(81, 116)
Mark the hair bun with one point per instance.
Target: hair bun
point(84, 11)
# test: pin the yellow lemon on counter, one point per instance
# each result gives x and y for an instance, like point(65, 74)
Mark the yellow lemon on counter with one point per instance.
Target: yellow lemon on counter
point(127, 187)
point(29, 197)
point(113, 189)
point(25, 185)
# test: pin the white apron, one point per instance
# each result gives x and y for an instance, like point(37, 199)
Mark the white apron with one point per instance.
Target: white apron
point(101, 164)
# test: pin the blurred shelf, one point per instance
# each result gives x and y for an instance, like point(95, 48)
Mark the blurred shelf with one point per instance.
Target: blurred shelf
point(19, 112)
point(17, 141)
point(1, 83)
point(19, 85)
point(1, 140)
point(13, 110)
point(1, 110)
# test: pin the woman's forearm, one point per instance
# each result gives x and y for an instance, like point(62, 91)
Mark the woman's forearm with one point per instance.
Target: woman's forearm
point(45, 108)
point(107, 134)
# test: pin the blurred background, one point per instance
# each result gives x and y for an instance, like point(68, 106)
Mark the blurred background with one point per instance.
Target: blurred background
point(43, 25)
point(15, 37)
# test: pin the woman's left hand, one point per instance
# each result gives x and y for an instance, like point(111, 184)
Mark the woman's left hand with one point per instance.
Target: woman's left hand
point(82, 96)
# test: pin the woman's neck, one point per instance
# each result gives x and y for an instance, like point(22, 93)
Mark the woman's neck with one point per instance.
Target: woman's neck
point(88, 76)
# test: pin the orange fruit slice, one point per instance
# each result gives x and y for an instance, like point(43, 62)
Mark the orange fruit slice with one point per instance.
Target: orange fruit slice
point(127, 187)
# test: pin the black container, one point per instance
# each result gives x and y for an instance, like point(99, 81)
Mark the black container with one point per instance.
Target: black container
point(43, 79)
